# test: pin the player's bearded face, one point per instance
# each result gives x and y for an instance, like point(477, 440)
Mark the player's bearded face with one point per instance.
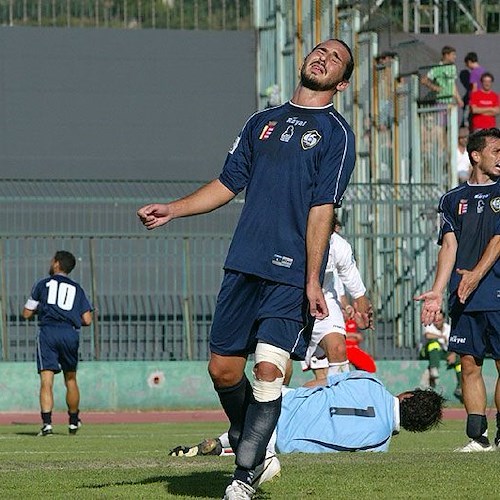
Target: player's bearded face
point(315, 82)
point(324, 67)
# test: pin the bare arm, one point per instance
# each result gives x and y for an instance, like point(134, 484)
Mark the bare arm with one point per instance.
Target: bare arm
point(86, 318)
point(433, 298)
point(28, 313)
point(425, 80)
point(209, 197)
point(319, 228)
point(458, 99)
point(491, 111)
point(470, 279)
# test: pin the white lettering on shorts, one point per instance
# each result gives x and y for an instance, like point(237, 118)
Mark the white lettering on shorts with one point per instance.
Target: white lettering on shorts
point(457, 340)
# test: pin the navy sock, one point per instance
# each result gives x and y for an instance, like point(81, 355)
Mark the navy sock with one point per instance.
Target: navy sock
point(476, 426)
point(235, 401)
point(73, 417)
point(260, 423)
point(498, 425)
point(46, 417)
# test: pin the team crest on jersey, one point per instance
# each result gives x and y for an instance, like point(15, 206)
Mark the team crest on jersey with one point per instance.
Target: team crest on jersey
point(310, 139)
point(267, 130)
point(462, 207)
point(495, 204)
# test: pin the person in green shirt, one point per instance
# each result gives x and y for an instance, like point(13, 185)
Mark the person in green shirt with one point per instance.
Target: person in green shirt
point(442, 78)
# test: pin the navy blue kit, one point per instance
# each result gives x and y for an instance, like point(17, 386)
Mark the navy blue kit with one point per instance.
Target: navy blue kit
point(288, 158)
point(60, 303)
point(472, 213)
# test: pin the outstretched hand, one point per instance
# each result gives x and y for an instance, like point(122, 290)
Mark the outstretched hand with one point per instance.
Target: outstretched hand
point(432, 305)
point(155, 215)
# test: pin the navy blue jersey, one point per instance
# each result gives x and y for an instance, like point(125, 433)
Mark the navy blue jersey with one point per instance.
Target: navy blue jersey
point(59, 301)
point(472, 213)
point(289, 159)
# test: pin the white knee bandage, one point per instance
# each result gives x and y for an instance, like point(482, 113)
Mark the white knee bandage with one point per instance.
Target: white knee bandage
point(264, 391)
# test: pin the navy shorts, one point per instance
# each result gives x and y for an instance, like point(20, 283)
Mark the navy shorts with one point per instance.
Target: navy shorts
point(251, 309)
point(57, 349)
point(476, 333)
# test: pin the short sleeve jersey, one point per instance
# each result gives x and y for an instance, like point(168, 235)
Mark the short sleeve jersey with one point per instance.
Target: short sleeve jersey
point(483, 99)
point(444, 76)
point(354, 412)
point(61, 301)
point(472, 213)
point(289, 159)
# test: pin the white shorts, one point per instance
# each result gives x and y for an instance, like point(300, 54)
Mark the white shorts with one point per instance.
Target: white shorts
point(333, 323)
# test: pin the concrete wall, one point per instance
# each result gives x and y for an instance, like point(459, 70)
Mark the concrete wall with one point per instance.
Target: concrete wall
point(171, 385)
point(122, 104)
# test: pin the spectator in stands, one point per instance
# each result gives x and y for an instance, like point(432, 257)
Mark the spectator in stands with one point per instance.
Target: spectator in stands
point(484, 104)
point(62, 308)
point(441, 79)
point(476, 71)
point(464, 167)
point(470, 78)
point(435, 349)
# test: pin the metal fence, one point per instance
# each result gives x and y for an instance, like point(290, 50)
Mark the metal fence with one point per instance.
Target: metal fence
point(155, 293)
point(173, 14)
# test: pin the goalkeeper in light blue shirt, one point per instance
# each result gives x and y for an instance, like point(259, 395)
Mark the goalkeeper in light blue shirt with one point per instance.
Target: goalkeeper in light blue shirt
point(350, 411)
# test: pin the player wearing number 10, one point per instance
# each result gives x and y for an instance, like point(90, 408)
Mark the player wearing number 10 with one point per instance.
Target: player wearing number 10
point(62, 308)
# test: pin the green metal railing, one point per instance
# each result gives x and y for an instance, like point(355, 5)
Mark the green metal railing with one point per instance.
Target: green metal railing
point(131, 14)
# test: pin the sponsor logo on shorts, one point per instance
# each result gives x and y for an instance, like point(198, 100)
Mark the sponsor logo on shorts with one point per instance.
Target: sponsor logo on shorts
point(287, 134)
point(310, 139)
point(267, 130)
point(457, 340)
point(495, 204)
point(282, 261)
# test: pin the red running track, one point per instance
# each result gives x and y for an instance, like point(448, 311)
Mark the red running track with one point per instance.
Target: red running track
point(178, 416)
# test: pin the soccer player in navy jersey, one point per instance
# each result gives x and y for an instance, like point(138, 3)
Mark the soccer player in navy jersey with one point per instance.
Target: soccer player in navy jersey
point(469, 261)
point(62, 308)
point(295, 161)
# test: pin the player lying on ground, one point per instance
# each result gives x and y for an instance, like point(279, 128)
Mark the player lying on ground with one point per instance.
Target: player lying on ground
point(346, 412)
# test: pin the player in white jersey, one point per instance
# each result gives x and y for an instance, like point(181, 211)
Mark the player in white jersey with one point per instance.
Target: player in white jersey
point(327, 348)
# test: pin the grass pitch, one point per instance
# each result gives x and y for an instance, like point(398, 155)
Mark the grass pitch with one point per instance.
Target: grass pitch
point(129, 461)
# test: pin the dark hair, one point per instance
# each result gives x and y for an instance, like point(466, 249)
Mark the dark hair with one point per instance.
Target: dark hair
point(66, 260)
point(487, 74)
point(447, 49)
point(471, 57)
point(350, 64)
point(477, 140)
point(422, 411)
